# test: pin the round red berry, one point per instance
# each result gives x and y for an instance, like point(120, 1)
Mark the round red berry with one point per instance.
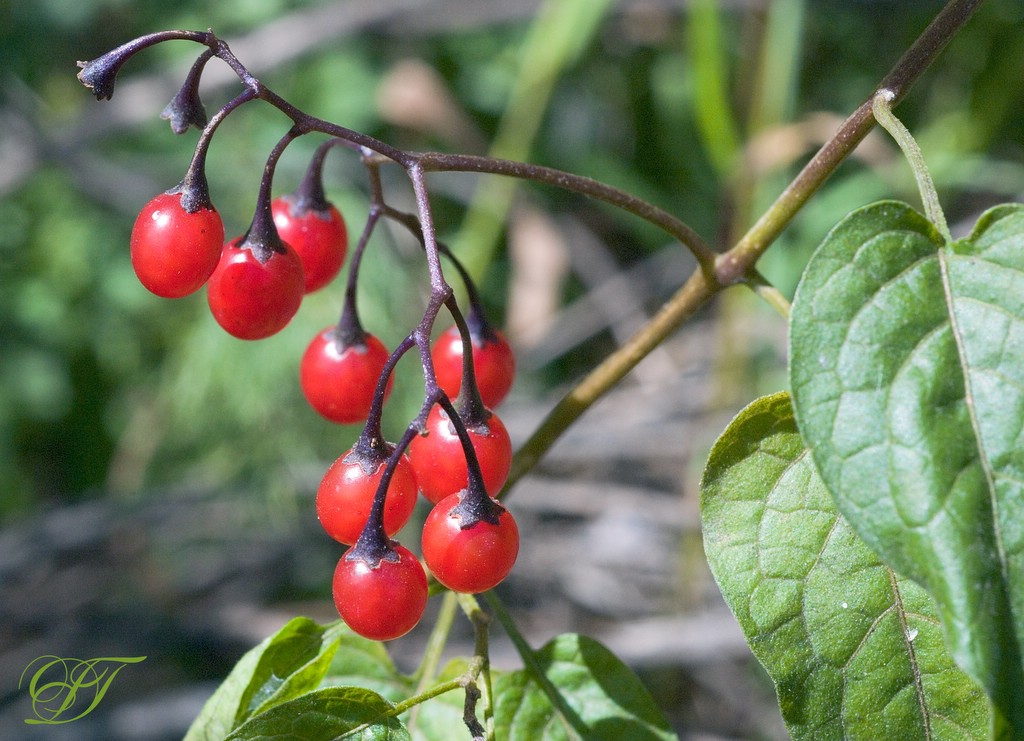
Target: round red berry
point(174, 252)
point(339, 380)
point(250, 298)
point(493, 363)
point(471, 559)
point(320, 238)
point(381, 602)
point(346, 494)
point(440, 462)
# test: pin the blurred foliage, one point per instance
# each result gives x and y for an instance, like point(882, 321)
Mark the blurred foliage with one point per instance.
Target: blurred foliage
point(104, 388)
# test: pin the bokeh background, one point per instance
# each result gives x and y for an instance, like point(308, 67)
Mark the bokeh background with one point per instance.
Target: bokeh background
point(156, 475)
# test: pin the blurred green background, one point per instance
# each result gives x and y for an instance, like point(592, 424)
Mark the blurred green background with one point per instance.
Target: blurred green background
point(705, 108)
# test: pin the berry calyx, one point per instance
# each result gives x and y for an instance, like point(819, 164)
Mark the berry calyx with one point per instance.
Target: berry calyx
point(339, 377)
point(380, 598)
point(493, 363)
point(470, 543)
point(174, 251)
point(439, 459)
point(319, 236)
point(345, 496)
point(254, 293)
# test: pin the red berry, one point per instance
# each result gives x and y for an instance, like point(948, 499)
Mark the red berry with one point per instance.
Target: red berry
point(440, 462)
point(493, 363)
point(251, 299)
point(346, 493)
point(339, 381)
point(381, 602)
point(472, 559)
point(174, 252)
point(319, 237)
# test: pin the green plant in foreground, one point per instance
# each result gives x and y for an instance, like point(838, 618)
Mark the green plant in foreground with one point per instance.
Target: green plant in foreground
point(863, 528)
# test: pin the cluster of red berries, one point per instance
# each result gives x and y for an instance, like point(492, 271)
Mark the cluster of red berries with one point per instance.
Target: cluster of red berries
point(255, 284)
point(456, 452)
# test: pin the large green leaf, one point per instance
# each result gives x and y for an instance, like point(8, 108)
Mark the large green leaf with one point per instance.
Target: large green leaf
point(855, 651)
point(907, 369)
point(324, 715)
point(576, 689)
point(285, 665)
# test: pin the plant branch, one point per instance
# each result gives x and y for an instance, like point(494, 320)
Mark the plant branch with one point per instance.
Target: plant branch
point(440, 162)
point(533, 667)
point(738, 264)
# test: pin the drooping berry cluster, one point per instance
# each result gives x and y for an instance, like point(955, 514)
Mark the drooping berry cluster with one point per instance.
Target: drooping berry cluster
point(456, 452)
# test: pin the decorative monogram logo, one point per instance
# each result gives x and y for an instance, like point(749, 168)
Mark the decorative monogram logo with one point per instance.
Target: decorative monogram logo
point(60, 687)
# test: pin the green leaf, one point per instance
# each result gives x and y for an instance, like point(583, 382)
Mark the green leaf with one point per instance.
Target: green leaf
point(364, 663)
point(855, 651)
point(907, 368)
point(324, 715)
point(285, 665)
point(596, 697)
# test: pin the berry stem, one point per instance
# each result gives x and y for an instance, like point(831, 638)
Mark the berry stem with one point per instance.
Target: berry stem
point(100, 74)
point(475, 504)
point(469, 404)
point(373, 544)
point(195, 192)
point(186, 108)
point(372, 431)
point(310, 196)
point(475, 325)
point(349, 329)
point(262, 236)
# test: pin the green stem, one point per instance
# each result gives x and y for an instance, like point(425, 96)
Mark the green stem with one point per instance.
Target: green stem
point(408, 704)
point(535, 670)
point(684, 304)
point(419, 698)
point(426, 674)
point(774, 298)
point(427, 670)
point(881, 107)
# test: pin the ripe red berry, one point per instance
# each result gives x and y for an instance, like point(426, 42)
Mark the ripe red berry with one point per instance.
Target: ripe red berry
point(493, 363)
point(319, 237)
point(471, 559)
point(346, 493)
point(381, 602)
point(440, 462)
point(250, 298)
point(338, 380)
point(174, 252)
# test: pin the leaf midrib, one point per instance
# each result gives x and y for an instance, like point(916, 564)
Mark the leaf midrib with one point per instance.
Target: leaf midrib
point(972, 413)
point(915, 668)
